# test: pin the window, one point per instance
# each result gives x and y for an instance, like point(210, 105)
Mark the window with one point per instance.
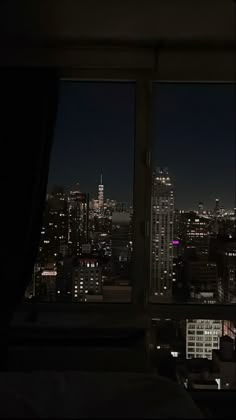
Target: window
point(88, 220)
point(190, 121)
point(175, 231)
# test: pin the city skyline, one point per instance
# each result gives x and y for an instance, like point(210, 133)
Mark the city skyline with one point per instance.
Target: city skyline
point(95, 134)
point(195, 207)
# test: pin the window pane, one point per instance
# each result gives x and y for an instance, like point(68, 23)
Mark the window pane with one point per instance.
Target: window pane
point(193, 243)
point(85, 252)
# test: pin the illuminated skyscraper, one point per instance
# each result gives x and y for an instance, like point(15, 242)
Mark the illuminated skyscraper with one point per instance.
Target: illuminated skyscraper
point(78, 208)
point(54, 230)
point(217, 207)
point(162, 234)
point(101, 194)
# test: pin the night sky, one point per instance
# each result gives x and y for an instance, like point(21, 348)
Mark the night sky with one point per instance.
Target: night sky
point(94, 134)
point(193, 134)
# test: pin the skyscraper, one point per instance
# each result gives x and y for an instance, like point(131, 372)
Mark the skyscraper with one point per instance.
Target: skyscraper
point(223, 253)
point(200, 208)
point(121, 243)
point(101, 194)
point(162, 220)
point(78, 208)
point(217, 207)
point(54, 230)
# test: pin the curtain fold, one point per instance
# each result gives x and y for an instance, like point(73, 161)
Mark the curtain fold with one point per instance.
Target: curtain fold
point(29, 99)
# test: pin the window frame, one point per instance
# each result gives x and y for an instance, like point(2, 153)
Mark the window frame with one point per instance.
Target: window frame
point(194, 62)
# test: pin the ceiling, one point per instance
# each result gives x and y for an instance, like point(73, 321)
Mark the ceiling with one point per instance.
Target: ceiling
point(139, 21)
point(183, 39)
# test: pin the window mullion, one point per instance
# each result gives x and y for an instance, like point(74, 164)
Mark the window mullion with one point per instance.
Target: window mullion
point(141, 192)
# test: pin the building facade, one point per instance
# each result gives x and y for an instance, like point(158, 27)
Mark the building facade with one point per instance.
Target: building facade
point(202, 337)
point(202, 278)
point(162, 235)
point(78, 212)
point(121, 243)
point(86, 280)
point(101, 194)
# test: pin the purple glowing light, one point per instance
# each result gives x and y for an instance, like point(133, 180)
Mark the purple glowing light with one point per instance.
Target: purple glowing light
point(176, 242)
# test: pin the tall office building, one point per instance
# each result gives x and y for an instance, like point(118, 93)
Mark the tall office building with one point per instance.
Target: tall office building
point(53, 243)
point(194, 227)
point(78, 210)
point(65, 269)
point(202, 280)
point(217, 207)
point(54, 230)
point(202, 337)
point(101, 194)
point(121, 243)
point(223, 253)
point(162, 234)
point(194, 231)
point(200, 208)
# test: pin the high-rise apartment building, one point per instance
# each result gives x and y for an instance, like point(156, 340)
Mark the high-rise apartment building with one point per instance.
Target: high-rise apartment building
point(78, 211)
point(162, 234)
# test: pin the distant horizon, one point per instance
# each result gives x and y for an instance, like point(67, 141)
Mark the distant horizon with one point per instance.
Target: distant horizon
point(67, 190)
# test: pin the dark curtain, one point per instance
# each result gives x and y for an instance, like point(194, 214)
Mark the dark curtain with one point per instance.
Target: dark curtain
point(29, 100)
